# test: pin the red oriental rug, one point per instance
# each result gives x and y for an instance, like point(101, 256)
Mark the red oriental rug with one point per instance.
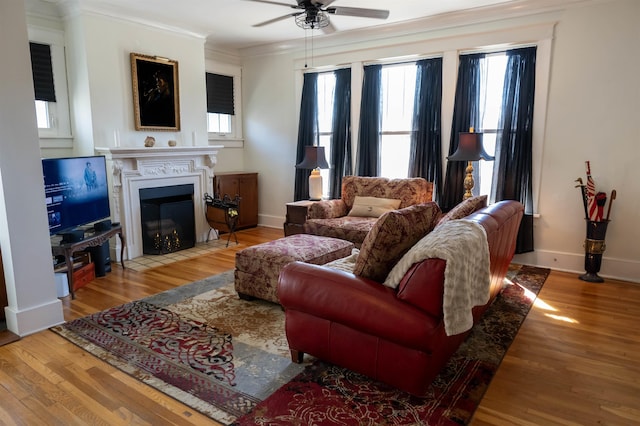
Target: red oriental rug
point(228, 358)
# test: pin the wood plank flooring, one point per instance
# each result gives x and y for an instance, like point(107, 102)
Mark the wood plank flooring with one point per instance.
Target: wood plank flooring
point(575, 361)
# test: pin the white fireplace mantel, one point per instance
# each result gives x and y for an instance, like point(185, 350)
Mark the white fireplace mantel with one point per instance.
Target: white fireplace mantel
point(135, 168)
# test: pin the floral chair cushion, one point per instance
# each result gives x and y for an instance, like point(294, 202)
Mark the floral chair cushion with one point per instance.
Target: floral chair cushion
point(409, 191)
point(350, 228)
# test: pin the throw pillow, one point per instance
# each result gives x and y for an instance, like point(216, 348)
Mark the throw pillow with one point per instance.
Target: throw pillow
point(392, 236)
point(372, 206)
point(465, 208)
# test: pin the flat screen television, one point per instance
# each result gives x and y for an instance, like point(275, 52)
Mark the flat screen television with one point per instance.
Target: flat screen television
point(76, 192)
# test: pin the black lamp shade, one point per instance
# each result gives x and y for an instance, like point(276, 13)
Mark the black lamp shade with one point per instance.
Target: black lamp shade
point(314, 158)
point(470, 148)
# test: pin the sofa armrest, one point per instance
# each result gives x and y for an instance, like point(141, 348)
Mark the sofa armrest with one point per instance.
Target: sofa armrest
point(327, 209)
point(356, 302)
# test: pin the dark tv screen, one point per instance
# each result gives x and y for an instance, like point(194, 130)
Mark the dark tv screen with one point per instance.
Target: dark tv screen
point(76, 191)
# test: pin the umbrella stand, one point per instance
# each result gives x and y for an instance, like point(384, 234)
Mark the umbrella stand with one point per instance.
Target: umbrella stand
point(594, 246)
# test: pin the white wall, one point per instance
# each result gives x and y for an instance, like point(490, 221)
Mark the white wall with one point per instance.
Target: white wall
point(270, 108)
point(101, 87)
point(592, 112)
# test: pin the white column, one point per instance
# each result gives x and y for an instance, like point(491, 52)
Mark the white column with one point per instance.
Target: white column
point(24, 235)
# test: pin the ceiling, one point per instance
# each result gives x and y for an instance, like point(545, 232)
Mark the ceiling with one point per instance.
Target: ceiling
point(229, 24)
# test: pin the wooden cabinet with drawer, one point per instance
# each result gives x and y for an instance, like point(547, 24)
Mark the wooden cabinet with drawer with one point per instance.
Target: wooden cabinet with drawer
point(245, 185)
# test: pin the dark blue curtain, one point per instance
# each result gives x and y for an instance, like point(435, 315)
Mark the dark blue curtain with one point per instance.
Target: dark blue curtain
point(466, 113)
point(513, 170)
point(426, 145)
point(341, 132)
point(370, 122)
point(307, 132)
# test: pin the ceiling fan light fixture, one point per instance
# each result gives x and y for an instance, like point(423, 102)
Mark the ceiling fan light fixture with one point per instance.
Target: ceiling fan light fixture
point(312, 19)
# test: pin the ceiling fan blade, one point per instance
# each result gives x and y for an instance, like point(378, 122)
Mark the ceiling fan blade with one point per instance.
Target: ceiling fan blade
point(277, 3)
point(329, 29)
point(280, 18)
point(360, 12)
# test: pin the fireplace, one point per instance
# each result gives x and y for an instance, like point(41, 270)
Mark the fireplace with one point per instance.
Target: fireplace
point(136, 168)
point(167, 219)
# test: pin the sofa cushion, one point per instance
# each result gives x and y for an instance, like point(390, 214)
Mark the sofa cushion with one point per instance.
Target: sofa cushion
point(464, 209)
point(373, 206)
point(392, 236)
point(350, 228)
point(409, 190)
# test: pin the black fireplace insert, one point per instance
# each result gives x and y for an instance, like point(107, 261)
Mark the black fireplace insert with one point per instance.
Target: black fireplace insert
point(168, 219)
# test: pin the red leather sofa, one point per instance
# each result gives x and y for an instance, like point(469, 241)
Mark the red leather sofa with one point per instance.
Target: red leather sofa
point(359, 324)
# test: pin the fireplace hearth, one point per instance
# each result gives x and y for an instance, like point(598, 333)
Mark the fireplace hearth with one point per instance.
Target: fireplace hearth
point(167, 219)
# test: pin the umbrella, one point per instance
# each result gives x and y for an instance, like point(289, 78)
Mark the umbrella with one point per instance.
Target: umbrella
point(591, 195)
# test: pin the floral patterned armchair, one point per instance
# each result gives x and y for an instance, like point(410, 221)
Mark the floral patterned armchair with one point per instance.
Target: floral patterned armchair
point(331, 218)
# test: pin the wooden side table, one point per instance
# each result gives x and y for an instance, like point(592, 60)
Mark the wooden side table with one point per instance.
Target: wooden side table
point(296, 217)
point(90, 240)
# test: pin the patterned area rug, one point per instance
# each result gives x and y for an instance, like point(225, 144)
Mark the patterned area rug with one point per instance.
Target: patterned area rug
point(228, 359)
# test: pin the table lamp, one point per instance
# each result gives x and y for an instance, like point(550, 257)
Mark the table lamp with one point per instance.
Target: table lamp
point(315, 160)
point(469, 149)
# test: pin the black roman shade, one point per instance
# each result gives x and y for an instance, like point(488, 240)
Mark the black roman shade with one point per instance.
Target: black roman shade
point(220, 94)
point(42, 72)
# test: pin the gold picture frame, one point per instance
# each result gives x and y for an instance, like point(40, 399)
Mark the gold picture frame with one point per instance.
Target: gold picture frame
point(156, 100)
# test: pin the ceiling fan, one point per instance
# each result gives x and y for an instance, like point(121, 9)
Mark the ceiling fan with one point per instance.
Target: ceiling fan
point(314, 14)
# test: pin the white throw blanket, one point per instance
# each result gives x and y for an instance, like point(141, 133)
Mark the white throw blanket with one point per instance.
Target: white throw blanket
point(463, 244)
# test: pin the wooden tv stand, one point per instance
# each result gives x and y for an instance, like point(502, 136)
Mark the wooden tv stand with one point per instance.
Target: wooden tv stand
point(91, 239)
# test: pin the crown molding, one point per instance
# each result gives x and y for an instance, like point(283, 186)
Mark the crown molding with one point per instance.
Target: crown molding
point(433, 24)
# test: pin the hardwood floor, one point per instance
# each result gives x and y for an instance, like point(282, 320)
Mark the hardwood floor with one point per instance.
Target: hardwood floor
point(576, 359)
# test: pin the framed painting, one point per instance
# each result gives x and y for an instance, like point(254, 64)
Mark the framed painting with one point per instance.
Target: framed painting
point(156, 101)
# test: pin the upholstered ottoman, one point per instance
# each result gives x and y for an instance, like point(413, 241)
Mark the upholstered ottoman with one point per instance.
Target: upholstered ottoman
point(258, 267)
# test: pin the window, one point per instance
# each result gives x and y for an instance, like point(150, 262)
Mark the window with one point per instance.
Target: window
point(326, 86)
point(43, 117)
point(220, 103)
point(490, 106)
point(398, 92)
point(50, 87)
point(223, 109)
point(43, 82)
point(218, 123)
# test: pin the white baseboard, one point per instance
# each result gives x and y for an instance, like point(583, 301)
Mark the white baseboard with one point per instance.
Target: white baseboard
point(619, 269)
point(24, 322)
point(271, 221)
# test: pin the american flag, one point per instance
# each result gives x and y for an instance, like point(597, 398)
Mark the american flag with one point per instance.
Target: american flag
point(592, 206)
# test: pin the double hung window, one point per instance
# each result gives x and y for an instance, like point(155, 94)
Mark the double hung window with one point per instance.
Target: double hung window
point(491, 87)
point(398, 91)
point(50, 84)
point(326, 95)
